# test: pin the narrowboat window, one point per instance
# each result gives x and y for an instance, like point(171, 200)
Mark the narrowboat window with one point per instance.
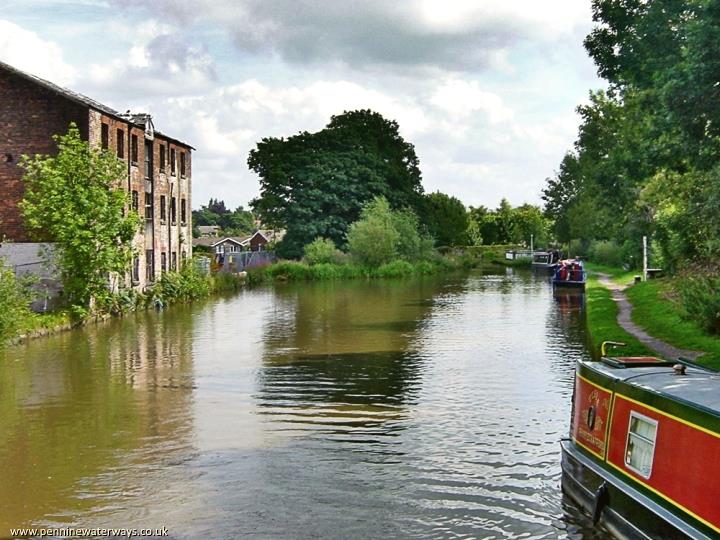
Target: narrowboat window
point(640, 447)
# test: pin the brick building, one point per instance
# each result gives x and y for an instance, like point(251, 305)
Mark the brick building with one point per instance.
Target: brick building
point(159, 168)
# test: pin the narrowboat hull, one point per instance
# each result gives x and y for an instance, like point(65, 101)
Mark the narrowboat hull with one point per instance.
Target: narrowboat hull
point(622, 510)
point(566, 283)
point(642, 457)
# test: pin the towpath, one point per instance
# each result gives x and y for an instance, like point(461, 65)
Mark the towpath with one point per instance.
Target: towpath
point(625, 320)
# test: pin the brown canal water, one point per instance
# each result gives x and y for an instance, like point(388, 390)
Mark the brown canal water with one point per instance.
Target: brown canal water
point(425, 408)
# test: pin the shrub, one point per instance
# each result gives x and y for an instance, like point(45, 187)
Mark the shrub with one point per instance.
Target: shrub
point(322, 251)
point(606, 252)
point(700, 296)
point(288, 271)
point(373, 239)
point(15, 298)
point(324, 271)
point(398, 268)
point(187, 284)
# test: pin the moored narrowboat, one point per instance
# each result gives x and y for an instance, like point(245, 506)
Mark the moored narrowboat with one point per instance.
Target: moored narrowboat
point(545, 260)
point(569, 273)
point(643, 456)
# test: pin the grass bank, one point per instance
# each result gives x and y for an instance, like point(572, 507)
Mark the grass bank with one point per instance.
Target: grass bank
point(602, 324)
point(658, 310)
point(300, 271)
point(172, 288)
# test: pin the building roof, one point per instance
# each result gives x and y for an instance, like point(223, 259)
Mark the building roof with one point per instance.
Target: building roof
point(212, 241)
point(135, 119)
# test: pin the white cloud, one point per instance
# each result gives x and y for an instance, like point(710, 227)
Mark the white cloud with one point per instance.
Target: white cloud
point(27, 51)
point(461, 98)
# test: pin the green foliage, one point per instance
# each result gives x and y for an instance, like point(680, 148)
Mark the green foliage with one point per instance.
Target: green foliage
point(445, 218)
point(75, 198)
point(645, 160)
point(315, 184)
point(606, 252)
point(232, 223)
point(602, 322)
point(15, 298)
point(701, 300)
point(322, 250)
point(373, 239)
point(395, 269)
point(506, 225)
point(659, 309)
point(183, 286)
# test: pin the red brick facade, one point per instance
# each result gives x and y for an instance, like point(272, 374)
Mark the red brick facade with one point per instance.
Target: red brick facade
point(32, 111)
point(29, 116)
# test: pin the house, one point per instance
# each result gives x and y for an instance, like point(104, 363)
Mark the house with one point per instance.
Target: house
point(159, 167)
point(208, 230)
point(222, 247)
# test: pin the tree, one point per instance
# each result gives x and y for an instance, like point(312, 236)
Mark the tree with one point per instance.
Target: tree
point(315, 184)
point(77, 200)
point(373, 239)
point(235, 223)
point(445, 218)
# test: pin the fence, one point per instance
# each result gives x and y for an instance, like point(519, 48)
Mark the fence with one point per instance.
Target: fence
point(242, 260)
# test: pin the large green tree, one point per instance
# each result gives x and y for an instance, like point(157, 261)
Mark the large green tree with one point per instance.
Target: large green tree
point(445, 218)
point(315, 184)
point(75, 198)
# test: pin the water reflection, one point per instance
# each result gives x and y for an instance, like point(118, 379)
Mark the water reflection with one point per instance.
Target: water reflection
point(78, 405)
point(427, 408)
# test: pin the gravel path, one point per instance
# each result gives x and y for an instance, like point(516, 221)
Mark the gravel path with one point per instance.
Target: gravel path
point(625, 320)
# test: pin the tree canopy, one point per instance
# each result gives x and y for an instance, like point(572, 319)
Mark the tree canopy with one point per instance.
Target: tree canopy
point(315, 184)
point(77, 200)
point(646, 158)
point(232, 223)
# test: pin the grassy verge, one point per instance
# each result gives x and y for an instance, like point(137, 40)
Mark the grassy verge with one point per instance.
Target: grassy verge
point(602, 322)
point(618, 275)
point(658, 311)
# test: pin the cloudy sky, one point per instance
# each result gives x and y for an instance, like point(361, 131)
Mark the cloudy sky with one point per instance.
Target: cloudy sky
point(485, 89)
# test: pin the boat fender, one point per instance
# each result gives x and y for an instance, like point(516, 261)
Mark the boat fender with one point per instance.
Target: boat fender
point(602, 497)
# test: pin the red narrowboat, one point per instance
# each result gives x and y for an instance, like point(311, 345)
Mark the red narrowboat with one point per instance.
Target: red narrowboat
point(643, 456)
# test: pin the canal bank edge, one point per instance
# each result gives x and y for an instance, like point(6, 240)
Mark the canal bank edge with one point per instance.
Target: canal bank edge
point(645, 317)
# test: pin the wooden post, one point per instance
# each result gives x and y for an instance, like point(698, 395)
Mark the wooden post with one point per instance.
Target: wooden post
point(531, 244)
point(645, 259)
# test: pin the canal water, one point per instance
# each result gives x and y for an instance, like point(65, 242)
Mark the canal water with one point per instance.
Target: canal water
point(428, 408)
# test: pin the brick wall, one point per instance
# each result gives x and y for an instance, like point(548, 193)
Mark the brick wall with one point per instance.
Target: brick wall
point(29, 117)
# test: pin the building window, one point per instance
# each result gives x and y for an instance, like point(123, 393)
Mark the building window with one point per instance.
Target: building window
point(149, 266)
point(172, 161)
point(148, 160)
point(163, 213)
point(134, 149)
point(173, 261)
point(183, 212)
point(640, 446)
point(162, 157)
point(163, 262)
point(136, 270)
point(148, 206)
point(173, 210)
point(183, 258)
point(135, 200)
point(120, 144)
point(182, 164)
point(104, 136)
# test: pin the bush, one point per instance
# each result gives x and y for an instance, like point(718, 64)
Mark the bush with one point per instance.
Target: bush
point(187, 284)
point(700, 296)
point(606, 252)
point(373, 239)
point(398, 268)
point(288, 271)
point(15, 298)
point(322, 251)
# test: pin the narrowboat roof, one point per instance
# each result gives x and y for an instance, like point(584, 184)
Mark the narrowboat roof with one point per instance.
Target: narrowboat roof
point(698, 387)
